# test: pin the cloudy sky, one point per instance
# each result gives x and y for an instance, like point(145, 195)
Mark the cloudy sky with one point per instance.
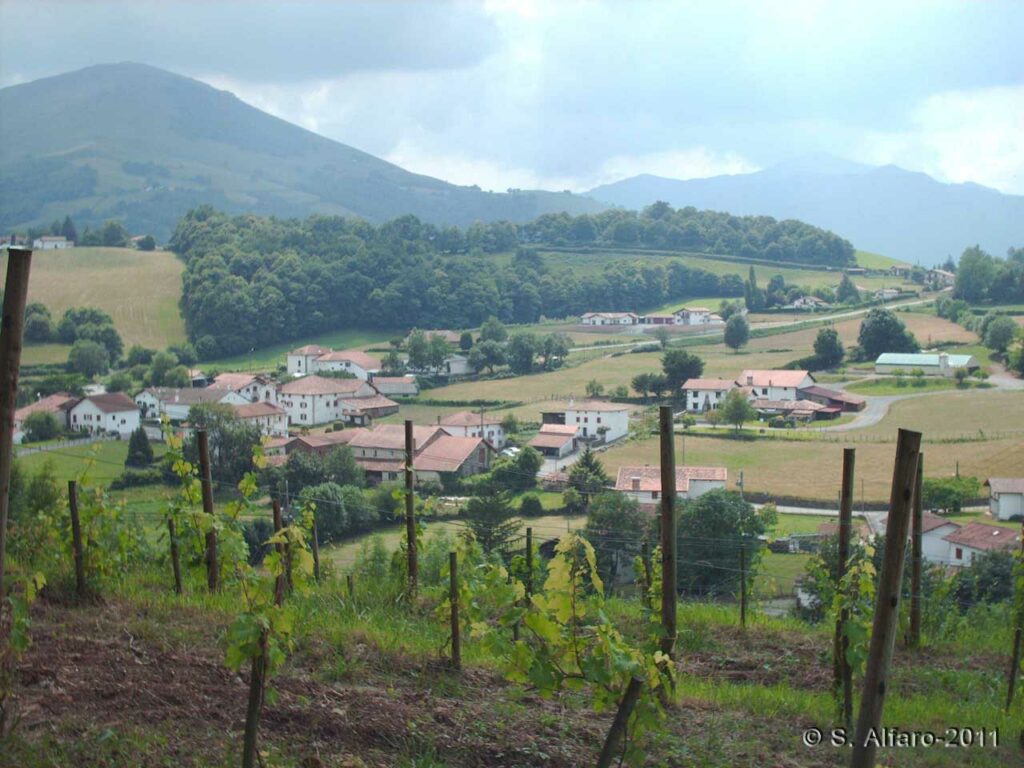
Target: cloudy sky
point(564, 94)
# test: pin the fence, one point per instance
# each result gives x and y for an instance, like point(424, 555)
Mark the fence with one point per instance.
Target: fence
point(54, 446)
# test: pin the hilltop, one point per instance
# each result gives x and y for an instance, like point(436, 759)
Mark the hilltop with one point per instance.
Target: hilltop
point(144, 145)
point(909, 216)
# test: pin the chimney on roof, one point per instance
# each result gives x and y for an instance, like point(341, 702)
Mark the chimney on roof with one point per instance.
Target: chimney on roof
point(635, 483)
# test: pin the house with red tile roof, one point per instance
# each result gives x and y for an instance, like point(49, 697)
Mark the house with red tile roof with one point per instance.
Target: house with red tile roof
point(775, 384)
point(976, 539)
point(703, 395)
point(269, 418)
point(437, 455)
point(644, 483)
point(113, 412)
point(318, 399)
point(312, 359)
point(253, 387)
point(58, 404)
point(470, 424)
point(556, 440)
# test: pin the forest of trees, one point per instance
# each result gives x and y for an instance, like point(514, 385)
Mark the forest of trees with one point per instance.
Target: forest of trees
point(252, 281)
point(983, 277)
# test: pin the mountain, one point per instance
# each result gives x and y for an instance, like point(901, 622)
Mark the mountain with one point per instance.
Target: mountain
point(143, 145)
point(906, 215)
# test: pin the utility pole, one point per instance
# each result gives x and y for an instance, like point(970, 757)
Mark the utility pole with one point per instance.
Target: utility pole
point(19, 262)
point(668, 531)
point(917, 522)
point(842, 672)
point(410, 507)
point(887, 600)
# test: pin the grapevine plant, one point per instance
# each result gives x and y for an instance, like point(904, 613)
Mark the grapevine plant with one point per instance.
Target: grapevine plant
point(567, 641)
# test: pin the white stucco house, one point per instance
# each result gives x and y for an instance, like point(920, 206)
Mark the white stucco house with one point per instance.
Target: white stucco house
point(114, 412)
point(316, 359)
point(253, 387)
point(696, 316)
point(52, 243)
point(556, 440)
point(317, 400)
point(156, 402)
point(775, 385)
point(469, 424)
point(1006, 497)
point(644, 483)
point(704, 395)
point(271, 419)
point(976, 539)
point(609, 318)
point(596, 421)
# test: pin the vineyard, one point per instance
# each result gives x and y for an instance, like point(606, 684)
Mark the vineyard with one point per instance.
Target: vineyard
point(163, 644)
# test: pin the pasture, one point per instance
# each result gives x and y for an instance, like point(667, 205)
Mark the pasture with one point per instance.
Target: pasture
point(138, 289)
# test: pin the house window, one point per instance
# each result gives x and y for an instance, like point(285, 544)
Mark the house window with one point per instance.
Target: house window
point(764, 390)
point(598, 419)
point(302, 416)
point(959, 554)
point(654, 494)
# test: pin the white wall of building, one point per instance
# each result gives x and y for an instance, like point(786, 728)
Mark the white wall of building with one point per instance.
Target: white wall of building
point(589, 423)
point(87, 417)
point(696, 398)
point(1006, 505)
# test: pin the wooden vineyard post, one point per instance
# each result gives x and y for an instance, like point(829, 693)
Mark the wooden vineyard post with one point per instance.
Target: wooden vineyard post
point(453, 598)
point(841, 667)
point(281, 580)
point(410, 507)
point(351, 582)
point(914, 638)
point(76, 539)
point(19, 262)
point(887, 601)
point(645, 556)
point(743, 584)
point(668, 531)
point(1018, 632)
point(529, 562)
point(314, 539)
point(206, 478)
point(618, 728)
point(172, 537)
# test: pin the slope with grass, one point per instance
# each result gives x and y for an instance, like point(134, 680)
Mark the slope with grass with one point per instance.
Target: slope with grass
point(138, 289)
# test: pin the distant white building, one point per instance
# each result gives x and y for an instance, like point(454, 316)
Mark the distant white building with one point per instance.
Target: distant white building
point(775, 385)
point(156, 402)
point(318, 400)
point(644, 483)
point(469, 424)
point(696, 316)
point(931, 363)
point(808, 302)
point(595, 420)
point(1006, 497)
point(886, 294)
point(609, 318)
point(271, 419)
point(253, 387)
point(704, 395)
point(114, 412)
point(52, 243)
point(316, 359)
point(941, 277)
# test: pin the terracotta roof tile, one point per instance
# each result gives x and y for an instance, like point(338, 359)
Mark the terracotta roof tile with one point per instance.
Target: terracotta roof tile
point(650, 477)
point(321, 385)
point(467, 419)
point(984, 536)
point(113, 402)
point(1006, 484)
point(255, 410)
point(772, 378)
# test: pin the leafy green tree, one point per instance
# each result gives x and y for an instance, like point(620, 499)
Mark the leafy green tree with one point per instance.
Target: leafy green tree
point(88, 358)
point(161, 364)
point(437, 352)
point(105, 335)
point(974, 275)
point(680, 365)
point(492, 521)
point(710, 533)
point(39, 426)
point(340, 467)
point(78, 317)
point(341, 510)
point(988, 579)
point(114, 235)
point(658, 383)
point(177, 377)
point(736, 409)
point(530, 506)
point(616, 527)
point(493, 330)
point(737, 332)
point(68, 230)
point(949, 494)
point(146, 243)
point(303, 469)
point(466, 341)
point(521, 351)
point(119, 381)
point(517, 473)
point(140, 452)
point(754, 296)
point(662, 335)
point(882, 331)
point(419, 350)
point(1000, 333)
point(594, 388)
point(231, 442)
point(828, 349)
point(138, 355)
point(847, 292)
point(642, 384)
point(588, 475)
point(39, 327)
point(487, 354)
point(554, 348)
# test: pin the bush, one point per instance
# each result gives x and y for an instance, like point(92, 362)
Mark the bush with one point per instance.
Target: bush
point(256, 534)
point(39, 426)
point(134, 478)
point(140, 452)
point(530, 506)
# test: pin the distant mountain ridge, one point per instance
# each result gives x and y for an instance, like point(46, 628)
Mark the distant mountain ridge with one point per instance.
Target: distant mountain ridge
point(904, 214)
point(144, 145)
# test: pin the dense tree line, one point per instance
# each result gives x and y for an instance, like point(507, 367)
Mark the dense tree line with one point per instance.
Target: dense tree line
point(253, 281)
point(983, 277)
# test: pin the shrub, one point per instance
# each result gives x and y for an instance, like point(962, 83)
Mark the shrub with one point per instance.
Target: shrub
point(134, 478)
point(530, 506)
point(41, 425)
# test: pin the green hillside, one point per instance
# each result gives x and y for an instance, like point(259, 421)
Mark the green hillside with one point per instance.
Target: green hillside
point(136, 143)
point(140, 290)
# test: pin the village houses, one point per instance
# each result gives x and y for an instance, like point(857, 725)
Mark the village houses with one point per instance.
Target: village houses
point(775, 385)
point(320, 400)
point(52, 243)
point(312, 359)
point(469, 424)
point(253, 387)
point(644, 483)
point(437, 455)
point(112, 413)
point(596, 421)
point(58, 404)
point(175, 403)
point(1006, 497)
point(269, 418)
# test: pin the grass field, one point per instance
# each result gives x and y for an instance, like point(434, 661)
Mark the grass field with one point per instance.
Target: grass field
point(888, 386)
point(957, 412)
point(102, 462)
point(812, 470)
point(270, 357)
point(140, 290)
point(870, 260)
